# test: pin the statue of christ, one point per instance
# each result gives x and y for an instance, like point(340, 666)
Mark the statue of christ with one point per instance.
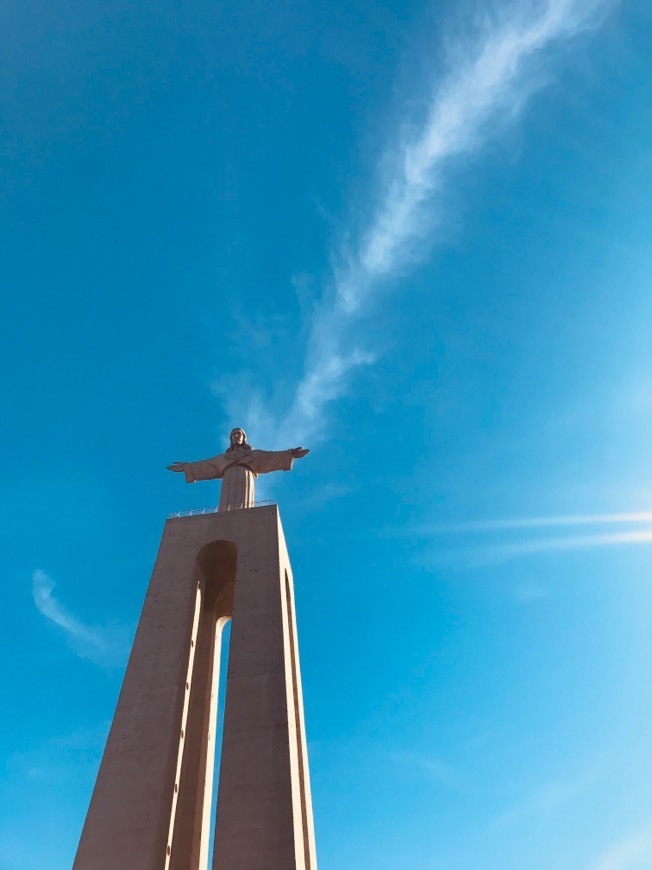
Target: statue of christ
point(238, 466)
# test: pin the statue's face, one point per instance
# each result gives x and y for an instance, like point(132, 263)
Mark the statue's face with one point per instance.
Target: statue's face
point(237, 437)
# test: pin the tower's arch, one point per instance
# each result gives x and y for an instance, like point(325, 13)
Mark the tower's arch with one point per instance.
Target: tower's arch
point(215, 572)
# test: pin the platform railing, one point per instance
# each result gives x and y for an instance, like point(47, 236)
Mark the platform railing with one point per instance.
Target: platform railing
point(213, 510)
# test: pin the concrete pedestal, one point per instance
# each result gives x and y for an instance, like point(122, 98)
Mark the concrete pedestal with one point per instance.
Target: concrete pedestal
point(151, 803)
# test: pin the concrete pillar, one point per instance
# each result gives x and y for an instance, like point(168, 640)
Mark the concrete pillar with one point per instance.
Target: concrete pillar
point(151, 802)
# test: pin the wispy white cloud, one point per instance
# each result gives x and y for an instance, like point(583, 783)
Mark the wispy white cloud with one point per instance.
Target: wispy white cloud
point(550, 797)
point(434, 769)
point(486, 84)
point(633, 852)
point(103, 645)
point(474, 556)
point(489, 553)
point(537, 522)
point(504, 552)
point(490, 78)
point(529, 592)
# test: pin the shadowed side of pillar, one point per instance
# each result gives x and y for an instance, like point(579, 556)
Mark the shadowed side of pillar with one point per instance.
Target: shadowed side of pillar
point(128, 820)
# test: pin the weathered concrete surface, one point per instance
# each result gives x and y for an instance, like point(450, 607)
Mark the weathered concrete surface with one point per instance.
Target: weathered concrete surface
point(149, 809)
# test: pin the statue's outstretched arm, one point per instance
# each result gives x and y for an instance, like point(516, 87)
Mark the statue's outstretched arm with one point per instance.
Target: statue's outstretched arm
point(204, 469)
point(264, 461)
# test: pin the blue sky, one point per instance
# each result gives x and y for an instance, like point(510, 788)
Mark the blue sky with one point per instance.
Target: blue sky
point(414, 238)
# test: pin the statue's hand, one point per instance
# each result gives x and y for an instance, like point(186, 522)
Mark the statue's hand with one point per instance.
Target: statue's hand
point(299, 452)
point(176, 466)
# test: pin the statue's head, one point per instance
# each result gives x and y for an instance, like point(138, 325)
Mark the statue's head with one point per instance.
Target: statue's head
point(238, 438)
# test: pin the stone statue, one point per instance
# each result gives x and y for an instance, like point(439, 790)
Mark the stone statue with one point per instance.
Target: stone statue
point(238, 466)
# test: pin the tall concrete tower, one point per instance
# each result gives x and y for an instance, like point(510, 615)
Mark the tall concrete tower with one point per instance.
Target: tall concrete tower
point(151, 805)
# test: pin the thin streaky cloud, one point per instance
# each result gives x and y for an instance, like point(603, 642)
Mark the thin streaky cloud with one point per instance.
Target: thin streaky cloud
point(105, 646)
point(526, 593)
point(551, 797)
point(435, 769)
point(486, 86)
point(498, 553)
point(489, 81)
point(534, 523)
point(633, 852)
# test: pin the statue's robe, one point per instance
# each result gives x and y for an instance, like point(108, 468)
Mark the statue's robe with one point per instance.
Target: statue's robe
point(238, 468)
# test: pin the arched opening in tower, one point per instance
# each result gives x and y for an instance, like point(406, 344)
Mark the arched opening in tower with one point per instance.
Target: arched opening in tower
point(221, 666)
point(195, 805)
